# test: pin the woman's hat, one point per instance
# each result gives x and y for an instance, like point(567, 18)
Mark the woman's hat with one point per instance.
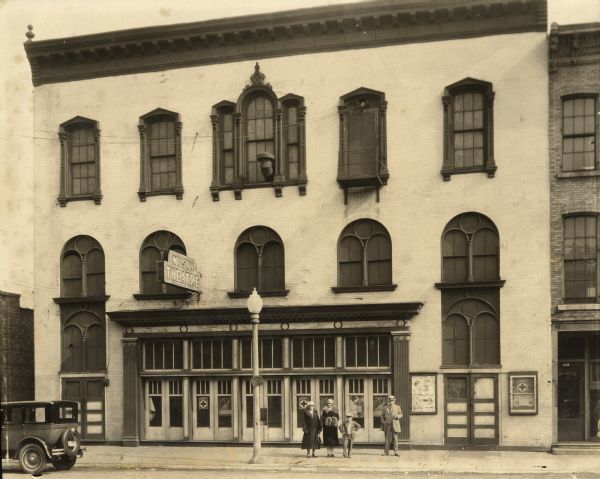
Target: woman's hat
point(310, 403)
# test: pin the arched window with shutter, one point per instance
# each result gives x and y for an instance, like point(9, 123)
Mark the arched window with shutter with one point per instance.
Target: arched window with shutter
point(82, 268)
point(83, 343)
point(155, 249)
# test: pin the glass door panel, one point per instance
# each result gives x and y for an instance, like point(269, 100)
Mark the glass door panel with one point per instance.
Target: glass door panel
point(175, 409)
point(271, 400)
point(355, 403)
point(457, 409)
point(484, 414)
point(224, 411)
point(154, 410)
point(570, 401)
point(202, 429)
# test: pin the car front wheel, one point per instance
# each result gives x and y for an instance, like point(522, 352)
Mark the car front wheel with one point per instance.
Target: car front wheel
point(32, 458)
point(64, 463)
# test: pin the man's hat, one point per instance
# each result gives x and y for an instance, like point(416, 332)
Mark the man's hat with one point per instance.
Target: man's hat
point(310, 403)
point(349, 414)
point(391, 396)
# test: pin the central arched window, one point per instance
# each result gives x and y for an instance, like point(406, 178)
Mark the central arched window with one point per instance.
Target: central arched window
point(83, 343)
point(155, 249)
point(82, 268)
point(259, 262)
point(364, 257)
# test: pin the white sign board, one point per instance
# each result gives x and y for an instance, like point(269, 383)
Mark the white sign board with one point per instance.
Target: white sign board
point(180, 270)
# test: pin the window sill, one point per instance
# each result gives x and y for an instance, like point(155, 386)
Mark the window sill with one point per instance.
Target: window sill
point(144, 297)
point(471, 284)
point(96, 198)
point(364, 289)
point(578, 174)
point(264, 294)
point(80, 299)
point(276, 185)
point(178, 192)
point(448, 172)
point(579, 307)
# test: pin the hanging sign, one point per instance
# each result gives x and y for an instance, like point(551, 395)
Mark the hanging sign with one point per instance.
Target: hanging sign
point(180, 270)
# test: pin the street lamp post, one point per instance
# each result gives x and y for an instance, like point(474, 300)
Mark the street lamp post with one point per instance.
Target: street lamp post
point(255, 304)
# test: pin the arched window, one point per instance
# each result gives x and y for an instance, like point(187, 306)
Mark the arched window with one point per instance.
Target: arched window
point(80, 160)
point(468, 125)
point(364, 257)
point(156, 248)
point(259, 262)
point(471, 334)
point(258, 126)
point(84, 343)
point(160, 154)
point(470, 249)
point(82, 268)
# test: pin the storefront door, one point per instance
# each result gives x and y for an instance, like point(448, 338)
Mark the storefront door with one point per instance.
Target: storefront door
point(89, 393)
point(163, 411)
point(365, 398)
point(271, 402)
point(318, 390)
point(571, 409)
point(471, 407)
point(212, 410)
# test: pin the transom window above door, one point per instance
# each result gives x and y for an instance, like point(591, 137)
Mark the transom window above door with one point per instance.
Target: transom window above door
point(258, 141)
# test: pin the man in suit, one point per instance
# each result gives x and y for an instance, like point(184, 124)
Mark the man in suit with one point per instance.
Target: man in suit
point(390, 423)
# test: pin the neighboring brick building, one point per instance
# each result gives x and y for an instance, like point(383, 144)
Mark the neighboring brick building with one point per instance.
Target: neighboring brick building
point(392, 183)
point(574, 63)
point(16, 350)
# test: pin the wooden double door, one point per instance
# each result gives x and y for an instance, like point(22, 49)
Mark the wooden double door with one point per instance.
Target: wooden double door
point(89, 393)
point(471, 409)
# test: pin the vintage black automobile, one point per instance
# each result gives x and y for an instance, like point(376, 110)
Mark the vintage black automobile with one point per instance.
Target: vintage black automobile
point(38, 432)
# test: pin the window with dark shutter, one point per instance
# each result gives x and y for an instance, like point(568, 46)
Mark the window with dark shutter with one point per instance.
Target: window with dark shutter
point(362, 159)
point(154, 250)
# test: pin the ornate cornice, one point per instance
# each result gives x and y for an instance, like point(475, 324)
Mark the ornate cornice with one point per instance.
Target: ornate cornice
point(571, 45)
point(278, 314)
point(329, 28)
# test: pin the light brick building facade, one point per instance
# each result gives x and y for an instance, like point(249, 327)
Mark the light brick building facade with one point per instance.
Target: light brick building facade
point(574, 64)
point(409, 245)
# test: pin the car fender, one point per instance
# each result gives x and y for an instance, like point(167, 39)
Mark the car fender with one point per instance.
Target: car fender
point(35, 440)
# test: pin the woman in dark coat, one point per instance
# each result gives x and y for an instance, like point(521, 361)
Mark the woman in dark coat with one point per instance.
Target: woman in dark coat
point(311, 428)
point(330, 420)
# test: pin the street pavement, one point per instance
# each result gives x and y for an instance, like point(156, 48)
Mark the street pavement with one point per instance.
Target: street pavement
point(289, 461)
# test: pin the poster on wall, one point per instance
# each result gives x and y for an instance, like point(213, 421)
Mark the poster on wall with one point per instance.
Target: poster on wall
point(523, 393)
point(424, 393)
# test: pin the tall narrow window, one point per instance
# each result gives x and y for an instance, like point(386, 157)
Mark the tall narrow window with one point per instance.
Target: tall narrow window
point(362, 158)
point(468, 128)
point(580, 132)
point(155, 249)
point(470, 292)
point(82, 268)
point(160, 154)
point(259, 263)
point(581, 258)
point(258, 141)
point(365, 258)
point(80, 161)
point(83, 343)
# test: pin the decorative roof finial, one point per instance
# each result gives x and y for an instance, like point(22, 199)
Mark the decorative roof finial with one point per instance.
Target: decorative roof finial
point(258, 78)
point(30, 33)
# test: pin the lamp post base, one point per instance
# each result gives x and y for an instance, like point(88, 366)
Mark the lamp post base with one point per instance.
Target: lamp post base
point(256, 460)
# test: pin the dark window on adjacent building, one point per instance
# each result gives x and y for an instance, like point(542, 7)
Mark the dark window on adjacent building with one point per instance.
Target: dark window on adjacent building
point(468, 125)
point(581, 258)
point(367, 351)
point(163, 354)
point(84, 343)
point(313, 352)
point(579, 132)
point(362, 157)
point(259, 262)
point(270, 352)
point(160, 154)
point(212, 354)
point(364, 255)
point(155, 249)
point(470, 249)
point(258, 123)
point(82, 268)
point(80, 161)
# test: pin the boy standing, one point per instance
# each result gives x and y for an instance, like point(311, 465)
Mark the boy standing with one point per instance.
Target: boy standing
point(349, 428)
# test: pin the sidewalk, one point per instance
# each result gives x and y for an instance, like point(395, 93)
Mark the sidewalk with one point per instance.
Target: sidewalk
point(293, 459)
